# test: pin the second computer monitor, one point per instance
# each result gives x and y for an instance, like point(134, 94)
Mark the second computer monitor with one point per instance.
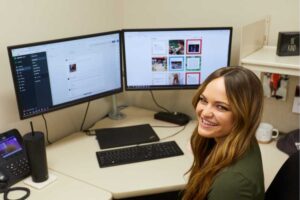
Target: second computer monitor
point(174, 58)
point(55, 74)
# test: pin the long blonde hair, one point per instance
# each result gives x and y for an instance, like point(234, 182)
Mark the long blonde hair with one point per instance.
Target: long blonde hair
point(245, 95)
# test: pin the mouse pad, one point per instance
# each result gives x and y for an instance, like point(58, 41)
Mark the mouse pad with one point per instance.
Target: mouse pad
point(123, 136)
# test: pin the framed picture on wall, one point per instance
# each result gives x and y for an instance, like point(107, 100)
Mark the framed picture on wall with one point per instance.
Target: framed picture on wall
point(275, 85)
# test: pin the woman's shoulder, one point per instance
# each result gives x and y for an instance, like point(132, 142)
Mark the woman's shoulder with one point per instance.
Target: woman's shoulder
point(244, 178)
point(250, 163)
point(233, 185)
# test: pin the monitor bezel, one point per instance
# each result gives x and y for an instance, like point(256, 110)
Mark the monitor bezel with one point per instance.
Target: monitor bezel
point(169, 87)
point(73, 102)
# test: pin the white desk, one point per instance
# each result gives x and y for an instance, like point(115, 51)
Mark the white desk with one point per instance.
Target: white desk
point(63, 188)
point(75, 156)
point(272, 159)
point(266, 60)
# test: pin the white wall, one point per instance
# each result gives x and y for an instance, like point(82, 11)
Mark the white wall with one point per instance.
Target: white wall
point(39, 20)
point(197, 13)
point(284, 16)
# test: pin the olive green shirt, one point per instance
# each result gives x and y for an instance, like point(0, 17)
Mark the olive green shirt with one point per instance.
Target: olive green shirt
point(244, 180)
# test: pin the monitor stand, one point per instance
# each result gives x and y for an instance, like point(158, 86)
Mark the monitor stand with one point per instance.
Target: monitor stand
point(115, 113)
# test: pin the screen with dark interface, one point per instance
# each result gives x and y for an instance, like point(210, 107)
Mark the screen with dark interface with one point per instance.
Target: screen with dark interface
point(9, 146)
point(59, 73)
point(174, 58)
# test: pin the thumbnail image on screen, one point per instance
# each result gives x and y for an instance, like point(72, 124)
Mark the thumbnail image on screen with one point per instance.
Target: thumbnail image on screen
point(174, 58)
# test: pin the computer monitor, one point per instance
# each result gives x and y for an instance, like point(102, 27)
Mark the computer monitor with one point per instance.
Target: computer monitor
point(178, 58)
point(55, 74)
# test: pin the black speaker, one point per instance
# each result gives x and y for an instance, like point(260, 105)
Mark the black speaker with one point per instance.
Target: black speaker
point(288, 44)
point(36, 152)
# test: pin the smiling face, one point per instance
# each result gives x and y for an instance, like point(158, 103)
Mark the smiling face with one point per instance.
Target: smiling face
point(213, 111)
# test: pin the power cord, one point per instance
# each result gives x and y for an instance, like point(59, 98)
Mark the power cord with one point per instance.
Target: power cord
point(172, 135)
point(86, 111)
point(46, 126)
point(24, 189)
point(91, 132)
point(157, 103)
point(88, 132)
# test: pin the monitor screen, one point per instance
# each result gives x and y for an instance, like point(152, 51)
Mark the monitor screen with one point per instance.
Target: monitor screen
point(9, 146)
point(174, 58)
point(55, 74)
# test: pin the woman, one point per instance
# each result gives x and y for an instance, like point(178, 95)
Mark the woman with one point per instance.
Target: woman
point(227, 162)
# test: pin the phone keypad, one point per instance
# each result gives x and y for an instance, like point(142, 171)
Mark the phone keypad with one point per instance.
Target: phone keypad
point(18, 167)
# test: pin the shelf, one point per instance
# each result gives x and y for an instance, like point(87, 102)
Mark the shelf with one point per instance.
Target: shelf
point(266, 60)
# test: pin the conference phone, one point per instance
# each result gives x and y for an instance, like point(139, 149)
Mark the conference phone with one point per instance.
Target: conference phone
point(14, 164)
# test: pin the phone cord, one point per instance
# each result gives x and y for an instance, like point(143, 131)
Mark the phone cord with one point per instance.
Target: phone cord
point(26, 190)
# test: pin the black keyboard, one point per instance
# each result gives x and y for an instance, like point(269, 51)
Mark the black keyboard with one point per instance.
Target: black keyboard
point(138, 153)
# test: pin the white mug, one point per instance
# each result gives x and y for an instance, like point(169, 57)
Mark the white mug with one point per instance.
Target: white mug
point(266, 132)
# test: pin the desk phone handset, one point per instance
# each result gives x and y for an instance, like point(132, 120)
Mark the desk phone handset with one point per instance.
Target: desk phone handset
point(14, 164)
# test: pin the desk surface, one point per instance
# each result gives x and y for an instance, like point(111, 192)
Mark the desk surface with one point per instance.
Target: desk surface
point(63, 187)
point(75, 156)
point(272, 159)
